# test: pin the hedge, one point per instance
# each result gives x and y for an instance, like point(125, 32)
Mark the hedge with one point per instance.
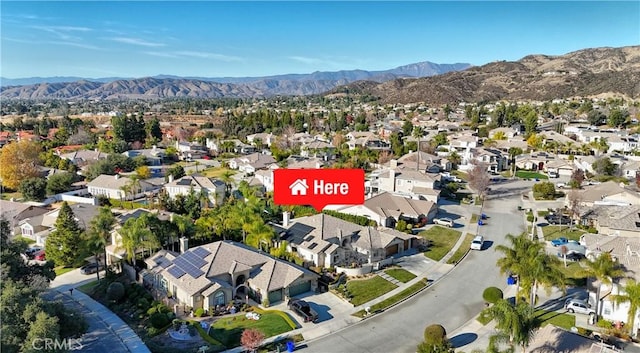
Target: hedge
point(205, 336)
point(282, 314)
point(359, 220)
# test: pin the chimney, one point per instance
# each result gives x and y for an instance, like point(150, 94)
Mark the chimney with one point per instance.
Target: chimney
point(285, 219)
point(171, 178)
point(154, 147)
point(393, 164)
point(117, 176)
point(184, 244)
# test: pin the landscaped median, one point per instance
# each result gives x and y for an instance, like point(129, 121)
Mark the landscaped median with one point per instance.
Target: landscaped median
point(441, 241)
point(406, 293)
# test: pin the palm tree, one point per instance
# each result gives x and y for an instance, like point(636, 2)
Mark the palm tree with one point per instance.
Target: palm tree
point(183, 224)
point(134, 187)
point(528, 260)
point(126, 190)
point(518, 321)
point(135, 233)
point(513, 153)
point(603, 269)
point(227, 179)
point(98, 234)
point(631, 295)
point(260, 233)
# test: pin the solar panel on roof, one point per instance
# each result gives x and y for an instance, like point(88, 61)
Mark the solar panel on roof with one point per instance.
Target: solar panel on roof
point(313, 245)
point(184, 182)
point(176, 272)
point(202, 252)
point(194, 259)
point(187, 267)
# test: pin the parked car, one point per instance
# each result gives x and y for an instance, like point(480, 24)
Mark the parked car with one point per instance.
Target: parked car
point(303, 309)
point(578, 306)
point(559, 241)
point(91, 268)
point(477, 242)
point(32, 251)
point(572, 256)
point(40, 256)
point(557, 219)
point(443, 222)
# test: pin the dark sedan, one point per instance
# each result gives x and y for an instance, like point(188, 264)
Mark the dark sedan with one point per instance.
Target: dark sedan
point(91, 268)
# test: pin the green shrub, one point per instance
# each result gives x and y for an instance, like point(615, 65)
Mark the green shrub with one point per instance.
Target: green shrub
point(199, 312)
point(585, 332)
point(143, 304)
point(266, 302)
point(434, 334)
point(159, 320)
point(606, 324)
point(152, 310)
point(177, 324)
point(492, 295)
point(530, 218)
point(171, 315)
point(115, 291)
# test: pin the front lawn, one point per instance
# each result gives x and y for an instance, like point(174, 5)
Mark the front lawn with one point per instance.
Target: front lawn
point(60, 270)
point(216, 172)
point(400, 274)
point(441, 241)
point(228, 330)
point(462, 250)
point(552, 232)
point(88, 288)
point(364, 290)
point(524, 174)
point(573, 275)
point(563, 320)
point(406, 293)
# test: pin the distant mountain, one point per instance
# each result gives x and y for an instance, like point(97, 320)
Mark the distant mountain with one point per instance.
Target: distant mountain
point(165, 86)
point(585, 72)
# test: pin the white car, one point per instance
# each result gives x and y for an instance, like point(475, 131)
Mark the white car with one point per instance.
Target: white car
point(579, 306)
point(476, 243)
point(443, 222)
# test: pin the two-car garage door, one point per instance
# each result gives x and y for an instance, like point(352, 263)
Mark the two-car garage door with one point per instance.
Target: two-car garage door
point(299, 288)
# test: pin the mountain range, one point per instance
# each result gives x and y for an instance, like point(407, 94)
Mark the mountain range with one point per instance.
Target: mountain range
point(587, 72)
point(166, 86)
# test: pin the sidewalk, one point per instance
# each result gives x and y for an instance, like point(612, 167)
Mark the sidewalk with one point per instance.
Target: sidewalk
point(117, 327)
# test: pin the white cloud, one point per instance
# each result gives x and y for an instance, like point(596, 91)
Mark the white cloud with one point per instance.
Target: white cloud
point(63, 31)
point(136, 41)
point(193, 54)
point(306, 60)
point(76, 44)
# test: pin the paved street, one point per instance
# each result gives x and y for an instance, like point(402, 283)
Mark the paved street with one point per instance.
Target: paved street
point(452, 301)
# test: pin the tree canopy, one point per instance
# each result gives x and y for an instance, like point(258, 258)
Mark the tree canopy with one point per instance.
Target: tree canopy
point(19, 161)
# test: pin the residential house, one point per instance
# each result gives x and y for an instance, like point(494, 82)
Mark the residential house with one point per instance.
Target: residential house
point(114, 186)
point(39, 227)
point(212, 275)
point(213, 189)
point(154, 156)
point(559, 166)
point(367, 140)
point(264, 138)
point(585, 163)
point(624, 144)
point(609, 193)
point(82, 158)
point(494, 159)
point(387, 209)
point(630, 168)
point(621, 221)
point(327, 241)
point(507, 132)
point(404, 181)
point(252, 162)
point(422, 161)
point(318, 149)
point(188, 151)
point(16, 212)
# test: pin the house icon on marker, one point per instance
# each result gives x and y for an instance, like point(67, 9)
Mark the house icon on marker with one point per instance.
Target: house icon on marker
point(299, 187)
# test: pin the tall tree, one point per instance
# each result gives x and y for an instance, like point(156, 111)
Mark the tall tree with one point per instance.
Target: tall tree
point(19, 161)
point(603, 269)
point(517, 321)
point(63, 244)
point(98, 234)
point(479, 179)
point(630, 295)
point(33, 189)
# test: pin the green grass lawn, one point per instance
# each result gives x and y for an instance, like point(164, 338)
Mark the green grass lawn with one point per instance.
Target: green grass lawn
point(216, 172)
point(474, 218)
point(400, 274)
point(441, 240)
point(551, 232)
point(62, 270)
point(572, 274)
point(228, 330)
point(364, 290)
point(541, 214)
point(563, 320)
point(11, 195)
point(530, 175)
point(127, 205)
point(406, 293)
point(462, 250)
point(87, 288)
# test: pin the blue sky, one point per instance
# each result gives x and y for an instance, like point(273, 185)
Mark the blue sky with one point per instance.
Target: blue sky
point(213, 38)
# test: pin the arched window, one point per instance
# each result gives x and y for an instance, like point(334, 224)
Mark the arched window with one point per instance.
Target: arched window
point(218, 298)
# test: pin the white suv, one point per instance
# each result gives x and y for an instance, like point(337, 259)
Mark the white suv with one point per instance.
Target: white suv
point(476, 243)
point(579, 306)
point(443, 222)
